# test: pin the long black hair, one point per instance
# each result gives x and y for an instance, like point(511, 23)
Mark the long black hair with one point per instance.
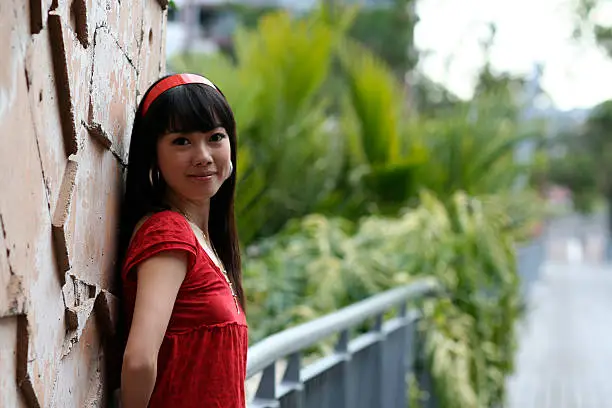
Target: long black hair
point(184, 108)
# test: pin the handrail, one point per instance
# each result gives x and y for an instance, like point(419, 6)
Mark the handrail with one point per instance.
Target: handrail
point(275, 347)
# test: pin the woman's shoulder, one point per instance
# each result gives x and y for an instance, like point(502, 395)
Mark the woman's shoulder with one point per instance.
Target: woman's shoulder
point(156, 232)
point(165, 219)
point(161, 226)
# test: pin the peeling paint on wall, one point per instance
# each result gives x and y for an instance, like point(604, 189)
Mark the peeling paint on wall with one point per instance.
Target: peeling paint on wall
point(69, 87)
point(8, 90)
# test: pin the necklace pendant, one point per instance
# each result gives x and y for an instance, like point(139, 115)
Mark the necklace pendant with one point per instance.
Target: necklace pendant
point(234, 295)
point(237, 307)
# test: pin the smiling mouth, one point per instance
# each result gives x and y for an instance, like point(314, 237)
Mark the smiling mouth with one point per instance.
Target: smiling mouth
point(206, 176)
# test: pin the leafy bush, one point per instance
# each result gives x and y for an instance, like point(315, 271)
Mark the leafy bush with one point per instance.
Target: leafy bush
point(317, 265)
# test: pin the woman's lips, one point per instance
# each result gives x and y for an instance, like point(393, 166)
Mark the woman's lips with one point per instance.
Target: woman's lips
point(203, 177)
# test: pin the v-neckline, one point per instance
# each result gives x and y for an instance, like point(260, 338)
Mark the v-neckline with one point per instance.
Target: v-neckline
point(208, 257)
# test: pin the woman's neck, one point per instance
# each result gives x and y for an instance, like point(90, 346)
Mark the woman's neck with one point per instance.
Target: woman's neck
point(195, 212)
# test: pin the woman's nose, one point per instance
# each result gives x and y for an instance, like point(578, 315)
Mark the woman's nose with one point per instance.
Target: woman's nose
point(201, 155)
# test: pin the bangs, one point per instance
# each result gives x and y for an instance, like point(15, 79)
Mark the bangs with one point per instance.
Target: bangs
point(190, 108)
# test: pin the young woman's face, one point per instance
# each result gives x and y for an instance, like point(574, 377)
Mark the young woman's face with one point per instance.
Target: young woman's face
point(194, 165)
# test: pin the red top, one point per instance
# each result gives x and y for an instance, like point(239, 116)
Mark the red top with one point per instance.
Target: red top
point(202, 359)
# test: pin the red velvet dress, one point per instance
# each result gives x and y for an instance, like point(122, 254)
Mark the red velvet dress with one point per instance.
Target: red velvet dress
point(202, 359)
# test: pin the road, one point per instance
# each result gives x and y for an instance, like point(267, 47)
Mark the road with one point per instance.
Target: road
point(565, 342)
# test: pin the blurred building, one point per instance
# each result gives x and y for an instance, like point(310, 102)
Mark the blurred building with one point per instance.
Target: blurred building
point(200, 26)
point(206, 26)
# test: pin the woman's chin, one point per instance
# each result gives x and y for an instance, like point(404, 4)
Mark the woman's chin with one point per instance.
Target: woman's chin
point(201, 194)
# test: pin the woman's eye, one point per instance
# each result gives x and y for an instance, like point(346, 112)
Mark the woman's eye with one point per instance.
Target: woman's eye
point(180, 141)
point(217, 137)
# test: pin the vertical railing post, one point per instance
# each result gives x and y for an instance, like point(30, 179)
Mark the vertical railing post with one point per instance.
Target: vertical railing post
point(291, 386)
point(265, 397)
point(342, 393)
point(395, 365)
point(379, 374)
point(399, 397)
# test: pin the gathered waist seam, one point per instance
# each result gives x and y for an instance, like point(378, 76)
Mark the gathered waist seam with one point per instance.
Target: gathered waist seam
point(206, 327)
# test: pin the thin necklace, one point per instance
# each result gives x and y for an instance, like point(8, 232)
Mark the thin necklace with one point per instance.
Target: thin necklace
point(217, 260)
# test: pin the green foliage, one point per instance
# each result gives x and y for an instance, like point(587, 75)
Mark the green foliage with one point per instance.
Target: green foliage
point(431, 98)
point(603, 35)
point(472, 146)
point(582, 159)
point(317, 265)
point(470, 335)
point(287, 147)
point(324, 126)
point(388, 31)
point(472, 155)
point(416, 395)
point(381, 161)
point(377, 104)
point(295, 156)
point(585, 24)
point(576, 173)
point(522, 212)
point(247, 15)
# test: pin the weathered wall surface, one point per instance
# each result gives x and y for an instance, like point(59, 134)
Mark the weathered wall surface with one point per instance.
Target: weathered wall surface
point(71, 74)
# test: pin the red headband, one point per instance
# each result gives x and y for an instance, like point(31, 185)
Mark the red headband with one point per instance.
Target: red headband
point(170, 82)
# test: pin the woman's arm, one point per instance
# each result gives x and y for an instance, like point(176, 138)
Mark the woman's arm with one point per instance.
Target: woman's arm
point(159, 280)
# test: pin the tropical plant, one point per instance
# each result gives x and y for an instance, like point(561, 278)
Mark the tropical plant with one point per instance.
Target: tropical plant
point(299, 154)
point(388, 30)
point(381, 161)
point(324, 126)
point(470, 335)
point(287, 146)
point(474, 155)
point(472, 146)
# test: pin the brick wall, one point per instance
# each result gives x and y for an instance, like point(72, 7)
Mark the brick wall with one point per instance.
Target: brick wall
point(71, 74)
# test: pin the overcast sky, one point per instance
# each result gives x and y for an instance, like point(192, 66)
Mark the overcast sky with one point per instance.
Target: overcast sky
point(529, 31)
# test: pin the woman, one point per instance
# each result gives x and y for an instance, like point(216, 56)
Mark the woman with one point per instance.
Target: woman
point(182, 290)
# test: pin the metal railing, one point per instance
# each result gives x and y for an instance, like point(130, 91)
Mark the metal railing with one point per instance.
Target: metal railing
point(368, 371)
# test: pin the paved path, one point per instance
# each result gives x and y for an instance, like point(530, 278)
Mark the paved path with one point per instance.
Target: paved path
point(565, 344)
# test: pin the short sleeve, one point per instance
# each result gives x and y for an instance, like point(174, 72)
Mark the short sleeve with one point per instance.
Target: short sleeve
point(163, 231)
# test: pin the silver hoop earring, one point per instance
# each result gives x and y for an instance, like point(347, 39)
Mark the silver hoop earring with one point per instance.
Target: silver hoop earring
point(231, 167)
point(151, 177)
